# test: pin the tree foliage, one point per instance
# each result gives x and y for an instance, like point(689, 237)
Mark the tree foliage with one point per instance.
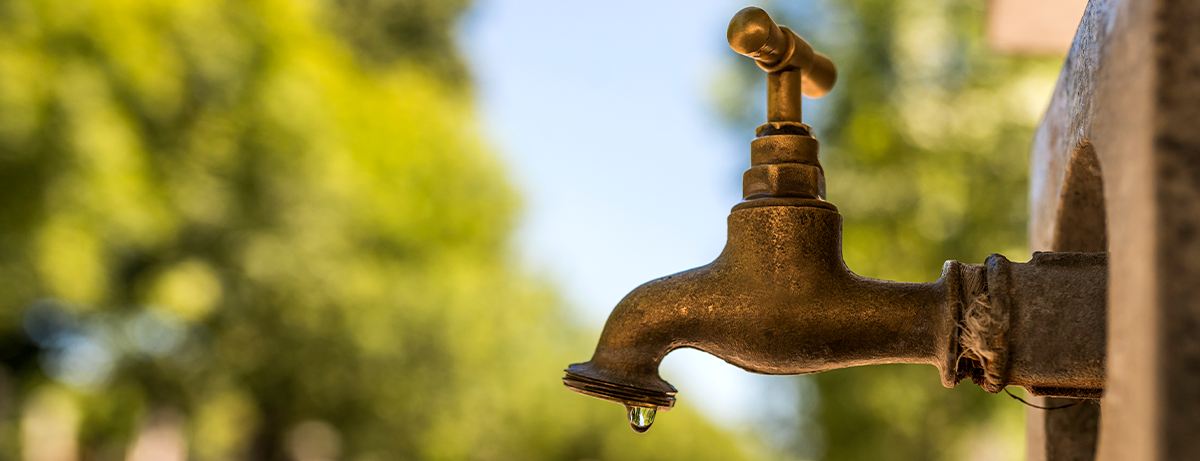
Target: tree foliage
point(274, 220)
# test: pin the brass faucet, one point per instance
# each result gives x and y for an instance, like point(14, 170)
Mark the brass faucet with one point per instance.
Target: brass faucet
point(780, 300)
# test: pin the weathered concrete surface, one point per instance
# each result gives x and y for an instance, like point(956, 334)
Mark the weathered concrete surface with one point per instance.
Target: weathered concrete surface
point(1130, 90)
point(1177, 157)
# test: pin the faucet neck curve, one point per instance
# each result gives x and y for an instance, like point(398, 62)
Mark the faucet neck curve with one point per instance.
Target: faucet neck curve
point(778, 300)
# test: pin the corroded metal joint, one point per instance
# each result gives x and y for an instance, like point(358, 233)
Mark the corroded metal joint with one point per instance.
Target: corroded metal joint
point(1039, 325)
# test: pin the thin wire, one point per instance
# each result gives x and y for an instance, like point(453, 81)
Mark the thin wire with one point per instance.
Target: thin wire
point(1069, 405)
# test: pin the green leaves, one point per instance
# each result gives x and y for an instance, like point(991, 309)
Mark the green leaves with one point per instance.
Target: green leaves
point(272, 216)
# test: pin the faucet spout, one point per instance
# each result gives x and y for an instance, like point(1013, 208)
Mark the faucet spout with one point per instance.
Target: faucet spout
point(778, 300)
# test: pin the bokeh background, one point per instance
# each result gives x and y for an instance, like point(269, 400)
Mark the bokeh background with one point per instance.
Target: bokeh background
point(378, 229)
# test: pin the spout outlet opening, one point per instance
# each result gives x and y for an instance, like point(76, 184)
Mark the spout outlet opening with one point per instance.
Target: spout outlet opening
point(629, 396)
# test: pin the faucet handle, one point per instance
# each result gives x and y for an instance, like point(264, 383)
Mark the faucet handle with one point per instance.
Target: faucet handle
point(752, 33)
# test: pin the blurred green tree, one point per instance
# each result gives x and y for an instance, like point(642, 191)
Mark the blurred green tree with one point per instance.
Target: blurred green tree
point(925, 147)
point(272, 226)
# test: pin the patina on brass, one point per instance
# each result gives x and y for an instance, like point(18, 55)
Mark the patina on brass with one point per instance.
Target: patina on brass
point(780, 300)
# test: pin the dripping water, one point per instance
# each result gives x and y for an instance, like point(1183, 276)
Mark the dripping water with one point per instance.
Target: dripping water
point(640, 418)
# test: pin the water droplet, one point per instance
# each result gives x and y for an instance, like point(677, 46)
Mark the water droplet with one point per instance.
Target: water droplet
point(640, 418)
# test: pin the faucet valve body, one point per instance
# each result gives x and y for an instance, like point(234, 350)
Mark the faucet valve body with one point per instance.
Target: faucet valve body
point(784, 170)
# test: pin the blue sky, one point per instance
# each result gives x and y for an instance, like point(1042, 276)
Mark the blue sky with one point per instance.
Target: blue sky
point(602, 113)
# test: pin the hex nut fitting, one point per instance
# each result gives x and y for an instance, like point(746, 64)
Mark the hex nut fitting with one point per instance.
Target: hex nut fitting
point(784, 148)
point(783, 180)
